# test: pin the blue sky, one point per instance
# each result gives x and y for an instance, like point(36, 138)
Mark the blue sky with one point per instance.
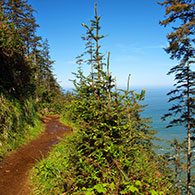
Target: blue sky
point(135, 38)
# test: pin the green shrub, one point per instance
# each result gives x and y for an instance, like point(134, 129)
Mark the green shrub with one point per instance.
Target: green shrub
point(19, 123)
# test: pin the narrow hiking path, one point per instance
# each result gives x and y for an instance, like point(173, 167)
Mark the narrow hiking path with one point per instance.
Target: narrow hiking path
point(15, 167)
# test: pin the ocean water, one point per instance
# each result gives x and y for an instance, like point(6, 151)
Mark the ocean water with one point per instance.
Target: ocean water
point(157, 105)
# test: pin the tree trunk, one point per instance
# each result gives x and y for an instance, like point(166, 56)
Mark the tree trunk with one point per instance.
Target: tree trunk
point(188, 138)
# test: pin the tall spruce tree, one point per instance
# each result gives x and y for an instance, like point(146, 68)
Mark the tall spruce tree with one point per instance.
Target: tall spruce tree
point(15, 74)
point(50, 86)
point(43, 72)
point(20, 13)
point(111, 152)
point(20, 67)
point(181, 14)
point(25, 62)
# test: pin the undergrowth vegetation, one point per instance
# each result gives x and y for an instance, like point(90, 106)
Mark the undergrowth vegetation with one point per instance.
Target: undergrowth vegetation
point(18, 123)
point(112, 151)
point(47, 177)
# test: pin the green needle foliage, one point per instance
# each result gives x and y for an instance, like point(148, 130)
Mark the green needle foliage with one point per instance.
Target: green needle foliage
point(180, 14)
point(112, 153)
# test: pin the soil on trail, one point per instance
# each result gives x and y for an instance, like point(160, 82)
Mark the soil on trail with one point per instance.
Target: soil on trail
point(15, 167)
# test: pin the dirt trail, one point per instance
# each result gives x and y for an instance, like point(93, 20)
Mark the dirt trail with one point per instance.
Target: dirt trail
point(15, 167)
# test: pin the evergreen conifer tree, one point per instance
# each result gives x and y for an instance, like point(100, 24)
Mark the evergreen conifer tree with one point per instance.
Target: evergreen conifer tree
point(181, 47)
point(114, 143)
point(20, 67)
point(20, 13)
point(15, 74)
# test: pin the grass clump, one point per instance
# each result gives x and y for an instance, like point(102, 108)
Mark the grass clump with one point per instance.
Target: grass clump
point(47, 176)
